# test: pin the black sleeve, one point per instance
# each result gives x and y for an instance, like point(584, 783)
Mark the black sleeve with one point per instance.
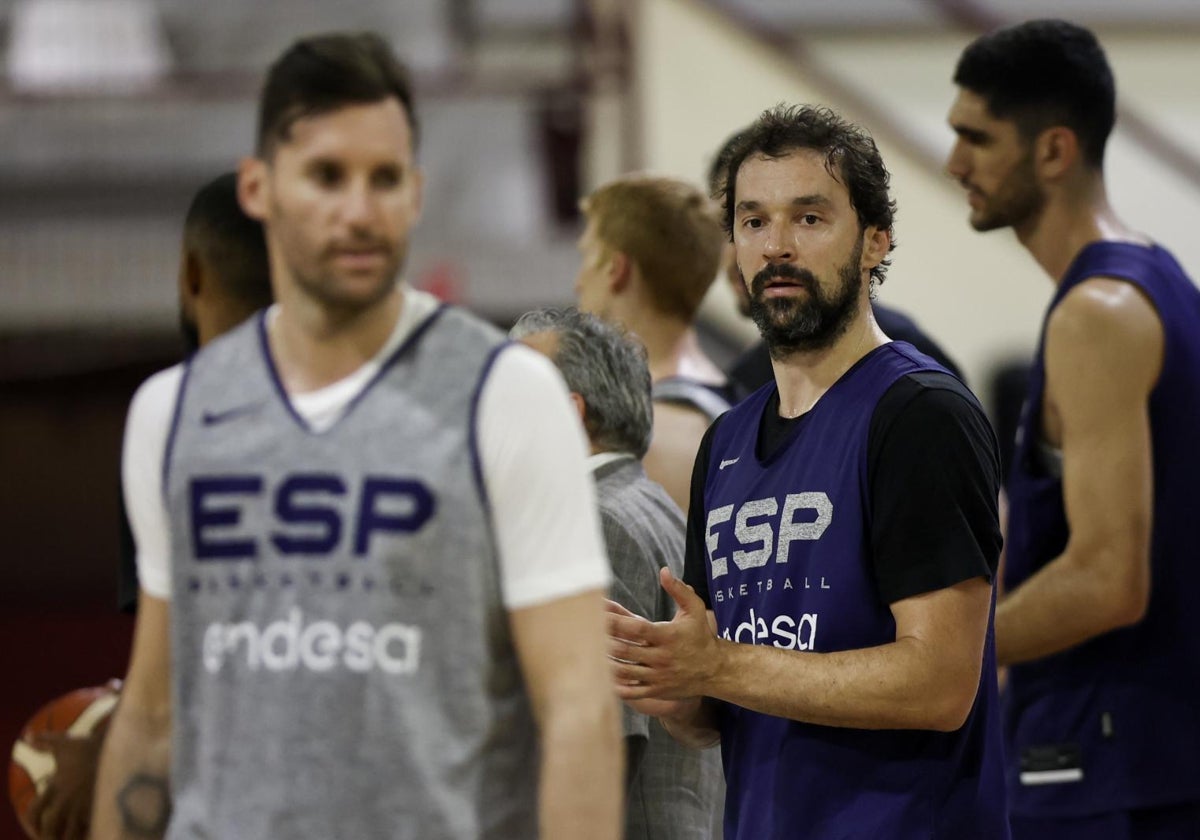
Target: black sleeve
point(695, 554)
point(934, 481)
point(127, 579)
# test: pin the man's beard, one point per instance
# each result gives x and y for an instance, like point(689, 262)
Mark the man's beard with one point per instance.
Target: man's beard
point(313, 271)
point(813, 322)
point(1017, 201)
point(320, 282)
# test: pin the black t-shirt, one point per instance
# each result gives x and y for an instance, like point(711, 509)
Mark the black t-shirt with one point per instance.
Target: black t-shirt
point(933, 480)
point(127, 578)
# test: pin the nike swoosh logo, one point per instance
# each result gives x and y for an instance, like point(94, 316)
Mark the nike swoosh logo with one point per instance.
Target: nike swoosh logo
point(212, 418)
point(728, 463)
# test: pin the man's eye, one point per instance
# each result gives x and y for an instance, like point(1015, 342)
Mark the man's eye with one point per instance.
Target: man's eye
point(327, 175)
point(387, 178)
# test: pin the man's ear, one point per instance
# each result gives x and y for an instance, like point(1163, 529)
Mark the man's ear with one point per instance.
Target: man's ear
point(620, 270)
point(876, 243)
point(1055, 152)
point(580, 407)
point(191, 277)
point(253, 187)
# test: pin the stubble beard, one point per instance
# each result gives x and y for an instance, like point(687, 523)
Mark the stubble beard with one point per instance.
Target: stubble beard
point(814, 322)
point(311, 266)
point(1018, 200)
point(319, 281)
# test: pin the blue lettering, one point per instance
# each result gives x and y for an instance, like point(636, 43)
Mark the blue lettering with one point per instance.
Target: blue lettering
point(289, 509)
point(311, 513)
point(412, 505)
point(206, 516)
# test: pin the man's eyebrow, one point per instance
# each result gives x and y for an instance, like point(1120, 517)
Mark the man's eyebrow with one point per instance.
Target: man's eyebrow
point(811, 200)
point(967, 133)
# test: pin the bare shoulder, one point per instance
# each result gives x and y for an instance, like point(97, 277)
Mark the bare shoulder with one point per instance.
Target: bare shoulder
point(1105, 311)
point(1104, 346)
point(678, 431)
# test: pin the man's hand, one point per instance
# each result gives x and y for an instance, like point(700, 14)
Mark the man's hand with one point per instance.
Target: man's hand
point(63, 811)
point(649, 706)
point(658, 665)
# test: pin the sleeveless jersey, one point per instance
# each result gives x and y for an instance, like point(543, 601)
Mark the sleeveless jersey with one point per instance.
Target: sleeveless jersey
point(710, 400)
point(1122, 710)
point(342, 665)
point(789, 565)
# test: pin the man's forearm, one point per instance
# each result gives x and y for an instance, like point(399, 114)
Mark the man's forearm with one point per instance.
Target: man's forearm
point(1061, 606)
point(900, 685)
point(133, 795)
point(582, 770)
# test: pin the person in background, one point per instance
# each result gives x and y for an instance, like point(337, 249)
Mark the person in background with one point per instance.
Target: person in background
point(1101, 719)
point(223, 280)
point(673, 790)
point(649, 252)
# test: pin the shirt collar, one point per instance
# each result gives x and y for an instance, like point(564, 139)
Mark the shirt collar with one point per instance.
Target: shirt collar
point(595, 462)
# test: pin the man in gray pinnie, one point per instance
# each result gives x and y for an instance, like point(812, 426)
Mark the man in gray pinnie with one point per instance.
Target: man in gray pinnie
point(672, 790)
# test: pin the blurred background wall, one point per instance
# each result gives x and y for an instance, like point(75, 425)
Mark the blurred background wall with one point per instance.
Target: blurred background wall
point(113, 111)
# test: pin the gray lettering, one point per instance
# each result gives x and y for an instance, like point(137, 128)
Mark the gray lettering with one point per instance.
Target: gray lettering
point(789, 530)
point(748, 534)
point(719, 565)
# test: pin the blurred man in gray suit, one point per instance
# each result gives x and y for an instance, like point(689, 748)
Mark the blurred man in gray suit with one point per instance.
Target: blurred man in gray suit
point(673, 791)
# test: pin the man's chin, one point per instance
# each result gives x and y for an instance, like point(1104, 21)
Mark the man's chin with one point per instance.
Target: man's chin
point(356, 293)
point(777, 313)
point(985, 222)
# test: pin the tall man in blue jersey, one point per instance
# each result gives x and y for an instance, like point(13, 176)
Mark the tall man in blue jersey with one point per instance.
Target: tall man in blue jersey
point(1103, 717)
point(834, 629)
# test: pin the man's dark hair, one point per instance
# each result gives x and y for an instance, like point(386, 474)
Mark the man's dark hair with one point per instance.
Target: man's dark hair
point(229, 243)
point(327, 72)
point(851, 157)
point(1044, 73)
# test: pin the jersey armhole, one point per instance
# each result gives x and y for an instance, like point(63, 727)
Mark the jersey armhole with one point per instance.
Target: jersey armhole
point(172, 433)
point(473, 425)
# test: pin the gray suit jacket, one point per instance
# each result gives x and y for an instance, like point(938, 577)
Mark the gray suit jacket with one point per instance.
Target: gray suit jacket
point(675, 792)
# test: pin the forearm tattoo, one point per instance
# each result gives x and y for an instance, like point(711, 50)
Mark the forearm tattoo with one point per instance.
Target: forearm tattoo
point(145, 804)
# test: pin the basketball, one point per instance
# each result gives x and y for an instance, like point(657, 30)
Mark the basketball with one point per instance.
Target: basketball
point(76, 714)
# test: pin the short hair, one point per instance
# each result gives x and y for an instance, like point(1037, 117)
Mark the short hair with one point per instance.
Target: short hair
point(323, 73)
point(229, 243)
point(606, 366)
point(669, 228)
point(1044, 73)
point(851, 157)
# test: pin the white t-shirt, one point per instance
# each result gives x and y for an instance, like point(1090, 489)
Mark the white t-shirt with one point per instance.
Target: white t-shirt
point(542, 499)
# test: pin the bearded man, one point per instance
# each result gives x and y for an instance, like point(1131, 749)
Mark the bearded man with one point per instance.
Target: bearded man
point(833, 629)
